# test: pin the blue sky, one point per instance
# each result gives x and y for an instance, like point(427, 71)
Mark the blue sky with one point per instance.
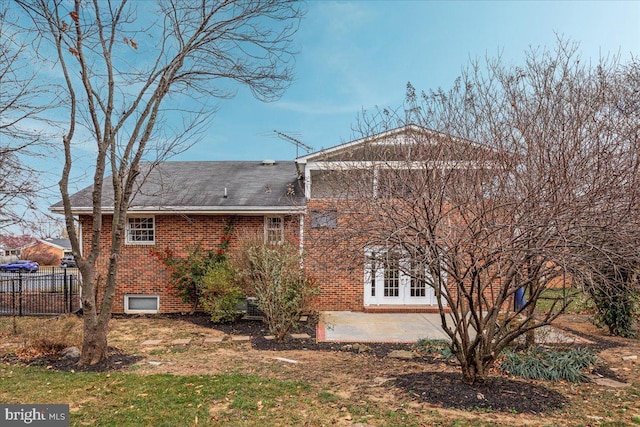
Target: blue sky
point(356, 55)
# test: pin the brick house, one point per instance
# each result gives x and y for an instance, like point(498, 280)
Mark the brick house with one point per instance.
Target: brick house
point(47, 251)
point(355, 275)
point(44, 251)
point(182, 204)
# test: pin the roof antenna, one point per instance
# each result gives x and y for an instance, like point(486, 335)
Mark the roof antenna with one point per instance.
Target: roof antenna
point(294, 141)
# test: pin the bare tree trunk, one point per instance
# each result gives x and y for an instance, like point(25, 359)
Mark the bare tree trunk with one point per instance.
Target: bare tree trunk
point(94, 342)
point(476, 368)
point(530, 336)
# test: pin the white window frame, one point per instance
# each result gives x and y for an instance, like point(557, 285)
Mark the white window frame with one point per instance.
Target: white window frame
point(128, 230)
point(268, 228)
point(376, 261)
point(127, 310)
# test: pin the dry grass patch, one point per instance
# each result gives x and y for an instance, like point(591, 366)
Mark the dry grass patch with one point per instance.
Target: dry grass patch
point(36, 336)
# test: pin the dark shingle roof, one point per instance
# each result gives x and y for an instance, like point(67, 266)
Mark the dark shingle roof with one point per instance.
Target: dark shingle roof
point(200, 186)
point(63, 243)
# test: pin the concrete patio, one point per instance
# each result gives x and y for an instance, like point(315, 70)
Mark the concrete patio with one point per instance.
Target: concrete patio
point(348, 326)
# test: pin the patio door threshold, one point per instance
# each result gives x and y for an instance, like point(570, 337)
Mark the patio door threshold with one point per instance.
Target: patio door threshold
point(402, 309)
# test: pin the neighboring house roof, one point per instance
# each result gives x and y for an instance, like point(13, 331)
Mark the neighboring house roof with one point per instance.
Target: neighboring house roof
point(64, 244)
point(199, 187)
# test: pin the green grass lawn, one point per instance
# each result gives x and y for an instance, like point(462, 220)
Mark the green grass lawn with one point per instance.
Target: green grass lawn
point(579, 302)
point(128, 399)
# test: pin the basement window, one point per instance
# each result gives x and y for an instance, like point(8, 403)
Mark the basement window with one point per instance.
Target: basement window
point(141, 304)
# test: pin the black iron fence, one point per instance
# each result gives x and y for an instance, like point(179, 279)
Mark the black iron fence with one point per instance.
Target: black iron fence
point(50, 290)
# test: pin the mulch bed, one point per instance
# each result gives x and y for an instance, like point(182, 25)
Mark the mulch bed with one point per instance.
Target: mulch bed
point(258, 330)
point(116, 360)
point(446, 389)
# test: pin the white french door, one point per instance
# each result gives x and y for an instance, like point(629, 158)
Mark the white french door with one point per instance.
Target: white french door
point(387, 283)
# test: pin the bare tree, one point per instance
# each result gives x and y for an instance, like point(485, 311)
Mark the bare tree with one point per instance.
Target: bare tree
point(492, 193)
point(124, 74)
point(608, 262)
point(21, 105)
point(45, 226)
point(11, 241)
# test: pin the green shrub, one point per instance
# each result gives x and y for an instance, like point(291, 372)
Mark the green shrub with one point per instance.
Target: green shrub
point(220, 294)
point(552, 365)
point(438, 349)
point(617, 309)
point(187, 274)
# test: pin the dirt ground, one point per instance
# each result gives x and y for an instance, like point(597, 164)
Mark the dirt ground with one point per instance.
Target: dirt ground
point(420, 385)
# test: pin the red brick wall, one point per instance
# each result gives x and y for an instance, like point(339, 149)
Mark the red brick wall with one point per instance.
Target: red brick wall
point(142, 273)
point(337, 265)
point(41, 252)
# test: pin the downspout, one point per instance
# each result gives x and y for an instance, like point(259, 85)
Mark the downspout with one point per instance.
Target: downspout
point(81, 251)
point(80, 235)
point(301, 239)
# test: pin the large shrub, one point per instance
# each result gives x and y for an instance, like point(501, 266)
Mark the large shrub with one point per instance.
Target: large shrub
point(220, 294)
point(617, 308)
point(274, 275)
point(187, 274)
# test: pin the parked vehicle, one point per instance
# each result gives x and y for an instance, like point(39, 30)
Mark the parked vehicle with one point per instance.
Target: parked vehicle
point(68, 261)
point(20, 265)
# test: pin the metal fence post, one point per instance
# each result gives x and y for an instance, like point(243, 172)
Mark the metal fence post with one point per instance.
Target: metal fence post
point(65, 290)
point(13, 297)
point(71, 277)
point(19, 294)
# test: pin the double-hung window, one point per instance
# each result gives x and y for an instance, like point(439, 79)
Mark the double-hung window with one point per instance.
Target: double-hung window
point(273, 230)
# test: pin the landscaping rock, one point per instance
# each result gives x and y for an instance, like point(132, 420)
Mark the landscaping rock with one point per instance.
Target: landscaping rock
point(381, 380)
point(282, 359)
point(607, 382)
point(361, 348)
point(300, 336)
point(401, 354)
point(629, 358)
point(70, 353)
